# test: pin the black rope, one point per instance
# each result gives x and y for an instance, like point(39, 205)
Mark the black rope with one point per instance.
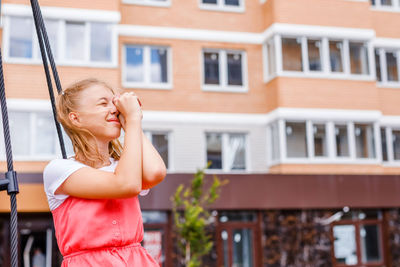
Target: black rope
point(45, 51)
point(11, 182)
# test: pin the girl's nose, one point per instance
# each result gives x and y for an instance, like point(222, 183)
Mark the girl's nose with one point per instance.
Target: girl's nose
point(114, 109)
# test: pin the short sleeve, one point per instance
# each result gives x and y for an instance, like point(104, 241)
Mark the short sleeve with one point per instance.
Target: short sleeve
point(54, 174)
point(144, 192)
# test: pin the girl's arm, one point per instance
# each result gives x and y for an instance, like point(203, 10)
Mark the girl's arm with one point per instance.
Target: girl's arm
point(154, 169)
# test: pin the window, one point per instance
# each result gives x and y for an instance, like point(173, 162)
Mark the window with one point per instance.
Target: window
point(314, 55)
point(336, 56)
point(291, 54)
point(358, 239)
point(271, 65)
point(223, 70)
point(391, 67)
point(21, 34)
point(320, 142)
point(72, 42)
point(296, 140)
point(302, 56)
point(342, 141)
point(386, 4)
point(160, 142)
point(147, 67)
point(364, 138)
point(384, 145)
point(396, 144)
point(236, 239)
point(226, 151)
point(358, 58)
point(225, 5)
point(75, 33)
point(387, 66)
point(33, 136)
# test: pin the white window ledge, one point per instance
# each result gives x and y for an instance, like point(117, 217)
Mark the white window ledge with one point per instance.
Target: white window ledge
point(336, 161)
point(321, 75)
point(388, 84)
point(385, 9)
point(148, 3)
point(219, 171)
point(214, 7)
point(161, 86)
point(225, 89)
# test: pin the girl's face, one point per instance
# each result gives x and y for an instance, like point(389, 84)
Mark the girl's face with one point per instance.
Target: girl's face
point(97, 113)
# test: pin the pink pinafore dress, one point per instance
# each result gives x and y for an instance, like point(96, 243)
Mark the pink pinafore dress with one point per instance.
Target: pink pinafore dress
point(101, 233)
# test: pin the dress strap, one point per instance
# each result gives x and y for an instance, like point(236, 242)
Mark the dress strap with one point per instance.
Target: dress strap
point(77, 253)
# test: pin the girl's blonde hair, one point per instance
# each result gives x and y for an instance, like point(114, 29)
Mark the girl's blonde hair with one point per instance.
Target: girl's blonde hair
point(85, 151)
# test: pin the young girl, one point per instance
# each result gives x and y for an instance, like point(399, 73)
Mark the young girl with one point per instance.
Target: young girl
point(93, 196)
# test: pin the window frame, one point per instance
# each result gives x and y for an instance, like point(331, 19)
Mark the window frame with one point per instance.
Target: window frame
point(395, 7)
point(331, 157)
point(357, 224)
point(149, 134)
point(220, 6)
point(325, 71)
point(223, 71)
point(383, 67)
point(225, 143)
point(60, 56)
point(32, 107)
point(147, 84)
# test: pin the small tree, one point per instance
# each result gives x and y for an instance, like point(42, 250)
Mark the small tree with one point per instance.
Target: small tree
point(191, 217)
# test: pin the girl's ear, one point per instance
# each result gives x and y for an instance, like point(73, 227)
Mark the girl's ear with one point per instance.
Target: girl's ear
point(74, 118)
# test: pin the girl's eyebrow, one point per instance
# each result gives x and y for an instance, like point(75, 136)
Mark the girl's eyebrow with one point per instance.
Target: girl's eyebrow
point(101, 99)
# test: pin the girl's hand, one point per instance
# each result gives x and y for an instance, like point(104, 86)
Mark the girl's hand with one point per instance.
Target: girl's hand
point(129, 107)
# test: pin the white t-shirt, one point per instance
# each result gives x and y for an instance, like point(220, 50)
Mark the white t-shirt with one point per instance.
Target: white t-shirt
point(58, 170)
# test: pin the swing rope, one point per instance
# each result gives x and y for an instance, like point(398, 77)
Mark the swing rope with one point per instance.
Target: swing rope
point(10, 183)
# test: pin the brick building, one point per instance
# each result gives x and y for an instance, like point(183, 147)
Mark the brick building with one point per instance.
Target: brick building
point(295, 102)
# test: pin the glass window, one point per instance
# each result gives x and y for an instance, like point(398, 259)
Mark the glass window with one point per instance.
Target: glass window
point(160, 142)
point(342, 141)
point(314, 55)
point(296, 140)
point(378, 65)
point(384, 145)
point(242, 242)
point(209, 1)
point(358, 58)
point(386, 2)
point(237, 152)
point(214, 150)
point(235, 69)
point(370, 243)
point(154, 217)
point(52, 34)
point(75, 40)
point(391, 66)
point(237, 216)
point(45, 139)
point(275, 141)
point(320, 143)
point(232, 2)
point(159, 65)
point(20, 132)
point(396, 144)
point(291, 54)
point(21, 37)
point(134, 70)
point(335, 55)
point(211, 68)
point(345, 244)
point(365, 147)
point(271, 57)
point(100, 42)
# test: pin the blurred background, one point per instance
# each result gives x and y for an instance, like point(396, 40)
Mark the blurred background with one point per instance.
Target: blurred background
point(295, 102)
